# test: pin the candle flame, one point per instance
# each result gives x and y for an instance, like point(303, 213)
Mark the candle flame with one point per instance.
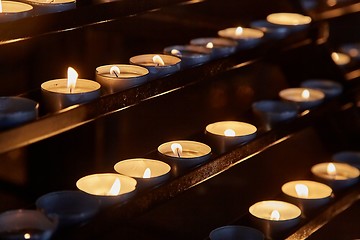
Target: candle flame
point(176, 149)
point(114, 70)
point(72, 77)
point(275, 215)
point(27, 236)
point(176, 52)
point(147, 173)
point(302, 190)
point(210, 45)
point(229, 133)
point(305, 94)
point(335, 56)
point(331, 169)
point(158, 60)
point(115, 188)
point(239, 31)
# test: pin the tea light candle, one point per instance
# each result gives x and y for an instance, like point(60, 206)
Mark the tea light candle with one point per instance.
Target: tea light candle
point(225, 135)
point(350, 157)
point(336, 175)
point(294, 21)
point(61, 93)
point(245, 37)
point(341, 59)
point(159, 65)
point(272, 112)
point(274, 218)
point(11, 10)
point(147, 172)
point(220, 47)
point(51, 6)
point(118, 77)
point(308, 195)
point(184, 154)
point(190, 55)
point(328, 87)
point(17, 110)
point(70, 207)
point(26, 224)
point(270, 30)
point(108, 188)
point(235, 232)
point(305, 98)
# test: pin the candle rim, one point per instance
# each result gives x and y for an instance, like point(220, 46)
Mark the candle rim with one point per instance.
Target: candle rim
point(154, 174)
point(328, 190)
point(167, 146)
point(210, 127)
point(296, 210)
point(63, 81)
point(137, 69)
point(53, 3)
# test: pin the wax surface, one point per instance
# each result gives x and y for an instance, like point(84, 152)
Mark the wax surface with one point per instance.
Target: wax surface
point(295, 95)
point(316, 190)
point(264, 209)
point(60, 86)
point(247, 33)
point(343, 171)
point(15, 7)
point(240, 128)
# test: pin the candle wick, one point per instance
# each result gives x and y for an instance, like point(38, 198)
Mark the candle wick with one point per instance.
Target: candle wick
point(116, 74)
point(177, 151)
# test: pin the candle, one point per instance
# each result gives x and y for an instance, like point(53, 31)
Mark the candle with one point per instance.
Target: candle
point(305, 98)
point(17, 110)
point(26, 224)
point(350, 157)
point(245, 37)
point(183, 154)
point(337, 175)
point(71, 208)
point(294, 21)
point(51, 6)
point(352, 50)
point(118, 77)
point(308, 195)
point(190, 55)
point(108, 188)
point(274, 218)
point(220, 47)
point(273, 112)
point(225, 135)
point(11, 10)
point(159, 65)
point(61, 93)
point(147, 172)
point(341, 59)
point(328, 87)
point(270, 30)
point(235, 232)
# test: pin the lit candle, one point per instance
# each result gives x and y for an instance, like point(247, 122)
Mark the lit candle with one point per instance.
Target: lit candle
point(225, 135)
point(190, 55)
point(341, 59)
point(183, 154)
point(51, 6)
point(15, 111)
point(274, 218)
point(70, 207)
point(350, 157)
point(118, 77)
point(305, 98)
point(308, 195)
point(147, 172)
point(329, 87)
point(220, 47)
point(235, 232)
point(294, 21)
point(108, 188)
point(26, 224)
point(11, 10)
point(245, 37)
point(159, 65)
point(61, 93)
point(337, 175)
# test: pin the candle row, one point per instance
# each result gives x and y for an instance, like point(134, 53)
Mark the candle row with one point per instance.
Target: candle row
point(272, 219)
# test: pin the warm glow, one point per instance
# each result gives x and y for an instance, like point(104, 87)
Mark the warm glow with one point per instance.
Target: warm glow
point(354, 52)
point(114, 70)
point(305, 94)
point(147, 173)
point(72, 77)
point(275, 215)
point(229, 133)
point(209, 45)
point(176, 52)
point(302, 190)
point(158, 60)
point(331, 3)
point(176, 149)
point(115, 188)
point(1, 9)
point(335, 56)
point(331, 169)
point(238, 31)
point(26, 235)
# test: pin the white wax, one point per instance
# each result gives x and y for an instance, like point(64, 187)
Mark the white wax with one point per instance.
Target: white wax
point(190, 149)
point(240, 128)
point(295, 95)
point(291, 19)
point(15, 7)
point(60, 86)
point(343, 171)
point(147, 60)
point(247, 33)
point(137, 166)
point(316, 190)
point(264, 209)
